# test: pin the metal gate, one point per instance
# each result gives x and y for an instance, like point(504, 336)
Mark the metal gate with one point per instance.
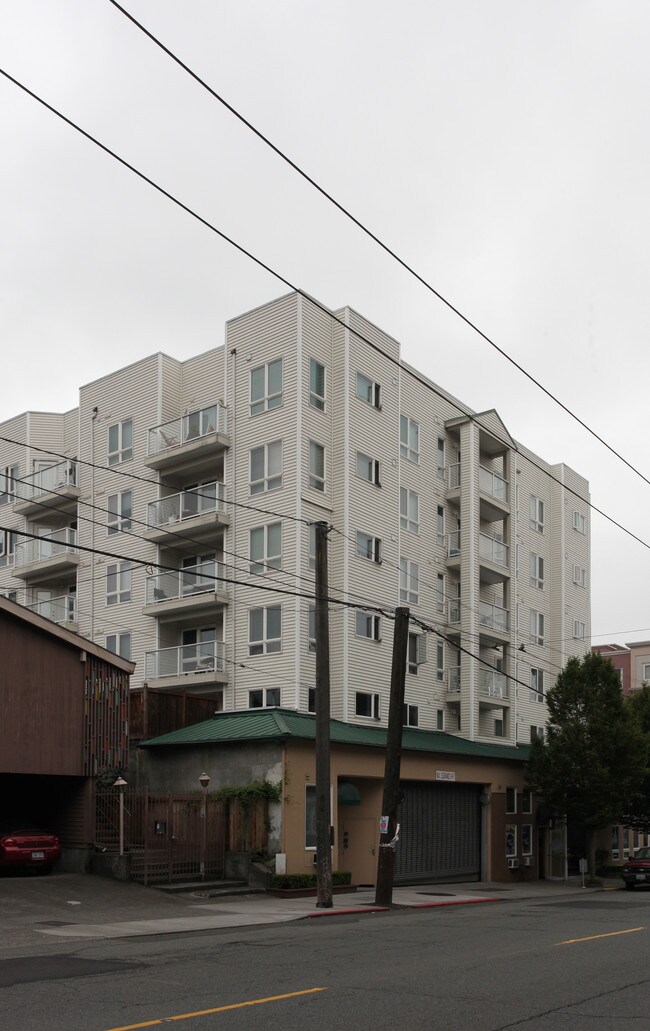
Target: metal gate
point(440, 832)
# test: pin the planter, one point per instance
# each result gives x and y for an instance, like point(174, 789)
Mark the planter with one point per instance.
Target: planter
point(309, 893)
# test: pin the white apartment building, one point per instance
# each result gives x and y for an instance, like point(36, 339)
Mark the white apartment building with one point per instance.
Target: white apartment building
point(165, 505)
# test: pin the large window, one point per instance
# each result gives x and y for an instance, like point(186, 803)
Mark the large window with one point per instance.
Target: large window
point(368, 390)
point(579, 630)
point(511, 800)
point(536, 685)
point(266, 547)
point(578, 522)
point(409, 587)
point(417, 652)
point(536, 514)
point(264, 698)
point(368, 625)
point(368, 546)
point(266, 467)
point(266, 387)
point(441, 458)
point(316, 466)
point(120, 442)
point(310, 816)
point(311, 629)
point(579, 576)
point(368, 468)
point(118, 583)
point(7, 547)
point(409, 439)
point(536, 627)
point(440, 661)
point(119, 512)
point(367, 705)
point(440, 592)
point(536, 571)
point(120, 644)
point(440, 525)
point(316, 385)
point(410, 715)
point(265, 630)
point(8, 477)
point(409, 510)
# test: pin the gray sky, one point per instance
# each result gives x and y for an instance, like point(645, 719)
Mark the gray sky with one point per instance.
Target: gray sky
point(501, 148)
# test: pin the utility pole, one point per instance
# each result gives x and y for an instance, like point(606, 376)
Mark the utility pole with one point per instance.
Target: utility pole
point(323, 804)
point(392, 794)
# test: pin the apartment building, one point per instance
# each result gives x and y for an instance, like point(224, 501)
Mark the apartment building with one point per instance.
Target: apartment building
point(170, 519)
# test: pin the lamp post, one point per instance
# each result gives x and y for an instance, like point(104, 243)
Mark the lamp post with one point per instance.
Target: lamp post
point(204, 780)
point(120, 784)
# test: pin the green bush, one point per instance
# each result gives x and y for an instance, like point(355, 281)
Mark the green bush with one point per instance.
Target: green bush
point(340, 878)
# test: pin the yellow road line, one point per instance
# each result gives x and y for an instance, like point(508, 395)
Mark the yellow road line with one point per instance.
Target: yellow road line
point(217, 1009)
point(591, 938)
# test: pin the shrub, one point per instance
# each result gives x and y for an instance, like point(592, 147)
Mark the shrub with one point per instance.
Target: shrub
point(340, 878)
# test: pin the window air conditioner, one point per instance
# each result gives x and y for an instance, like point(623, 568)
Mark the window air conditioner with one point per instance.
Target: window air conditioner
point(513, 864)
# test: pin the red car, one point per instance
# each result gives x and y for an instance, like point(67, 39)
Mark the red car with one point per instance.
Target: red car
point(637, 869)
point(28, 848)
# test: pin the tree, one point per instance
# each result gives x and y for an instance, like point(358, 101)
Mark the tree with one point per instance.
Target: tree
point(638, 705)
point(593, 762)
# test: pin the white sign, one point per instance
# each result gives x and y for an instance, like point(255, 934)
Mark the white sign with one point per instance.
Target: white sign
point(383, 825)
point(445, 775)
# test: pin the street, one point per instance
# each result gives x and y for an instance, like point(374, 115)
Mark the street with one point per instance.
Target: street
point(569, 962)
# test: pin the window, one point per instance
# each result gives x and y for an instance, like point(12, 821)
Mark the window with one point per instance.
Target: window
point(536, 733)
point(198, 575)
point(416, 652)
point(579, 576)
point(368, 391)
point(511, 800)
point(266, 387)
point(537, 685)
point(265, 630)
point(316, 466)
point(527, 839)
point(536, 514)
point(311, 632)
point(368, 468)
point(409, 715)
point(578, 522)
point(615, 843)
point(440, 661)
point(262, 698)
point(312, 546)
point(311, 699)
point(200, 650)
point(368, 546)
point(440, 719)
point(266, 467)
point(119, 512)
point(266, 547)
point(646, 672)
point(368, 625)
point(440, 525)
point(536, 627)
point(536, 571)
point(441, 458)
point(440, 592)
point(316, 385)
point(7, 547)
point(118, 583)
point(511, 840)
point(526, 801)
point(498, 727)
point(310, 816)
point(120, 442)
point(409, 507)
point(8, 477)
point(120, 644)
point(578, 630)
point(409, 439)
point(366, 705)
point(409, 574)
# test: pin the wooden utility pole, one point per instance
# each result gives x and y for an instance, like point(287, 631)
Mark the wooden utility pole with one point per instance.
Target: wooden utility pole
point(323, 804)
point(392, 794)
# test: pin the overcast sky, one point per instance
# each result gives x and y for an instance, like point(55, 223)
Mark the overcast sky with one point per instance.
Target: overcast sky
point(501, 148)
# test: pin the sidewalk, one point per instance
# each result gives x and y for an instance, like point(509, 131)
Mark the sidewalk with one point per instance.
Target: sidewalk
point(64, 907)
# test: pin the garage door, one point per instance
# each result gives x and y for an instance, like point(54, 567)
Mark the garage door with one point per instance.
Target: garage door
point(440, 832)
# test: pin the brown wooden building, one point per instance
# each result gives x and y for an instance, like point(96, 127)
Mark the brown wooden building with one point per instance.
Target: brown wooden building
point(64, 719)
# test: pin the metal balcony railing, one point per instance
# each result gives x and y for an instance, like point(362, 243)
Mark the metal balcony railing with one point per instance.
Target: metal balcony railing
point(50, 480)
point(185, 660)
point(199, 579)
point(493, 684)
point(187, 428)
point(42, 548)
point(453, 679)
point(209, 497)
point(492, 484)
point(492, 550)
point(493, 616)
point(59, 610)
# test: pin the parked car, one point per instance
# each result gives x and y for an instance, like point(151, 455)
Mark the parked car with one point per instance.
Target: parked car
point(636, 870)
point(28, 848)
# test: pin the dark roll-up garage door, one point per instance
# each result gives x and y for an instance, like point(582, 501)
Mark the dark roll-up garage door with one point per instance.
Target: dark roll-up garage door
point(440, 832)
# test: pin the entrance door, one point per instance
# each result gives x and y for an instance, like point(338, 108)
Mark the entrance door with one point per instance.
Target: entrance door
point(359, 846)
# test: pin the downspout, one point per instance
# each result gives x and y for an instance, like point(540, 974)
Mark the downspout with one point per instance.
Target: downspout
point(233, 516)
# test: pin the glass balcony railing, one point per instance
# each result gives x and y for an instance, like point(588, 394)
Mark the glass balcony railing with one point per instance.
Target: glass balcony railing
point(493, 684)
point(453, 679)
point(185, 660)
point(453, 544)
point(209, 497)
point(493, 550)
point(454, 611)
point(59, 610)
point(492, 484)
point(52, 480)
point(453, 475)
point(493, 616)
point(203, 578)
point(40, 549)
point(187, 428)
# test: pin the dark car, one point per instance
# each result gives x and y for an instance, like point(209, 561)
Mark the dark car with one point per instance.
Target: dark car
point(27, 847)
point(637, 869)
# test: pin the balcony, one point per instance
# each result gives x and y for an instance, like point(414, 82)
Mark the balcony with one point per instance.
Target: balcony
point(453, 680)
point(190, 441)
point(48, 489)
point(59, 610)
point(494, 559)
point(193, 589)
point(47, 558)
point(453, 550)
point(493, 490)
point(453, 616)
point(493, 685)
point(194, 667)
point(194, 513)
point(494, 624)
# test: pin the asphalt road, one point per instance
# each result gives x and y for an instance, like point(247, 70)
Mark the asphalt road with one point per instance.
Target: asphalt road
point(570, 963)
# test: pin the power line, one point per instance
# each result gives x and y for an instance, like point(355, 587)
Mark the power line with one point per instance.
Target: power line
point(376, 239)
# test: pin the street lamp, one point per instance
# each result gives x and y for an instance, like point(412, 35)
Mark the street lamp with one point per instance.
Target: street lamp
point(204, 780)
point(120, 784)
